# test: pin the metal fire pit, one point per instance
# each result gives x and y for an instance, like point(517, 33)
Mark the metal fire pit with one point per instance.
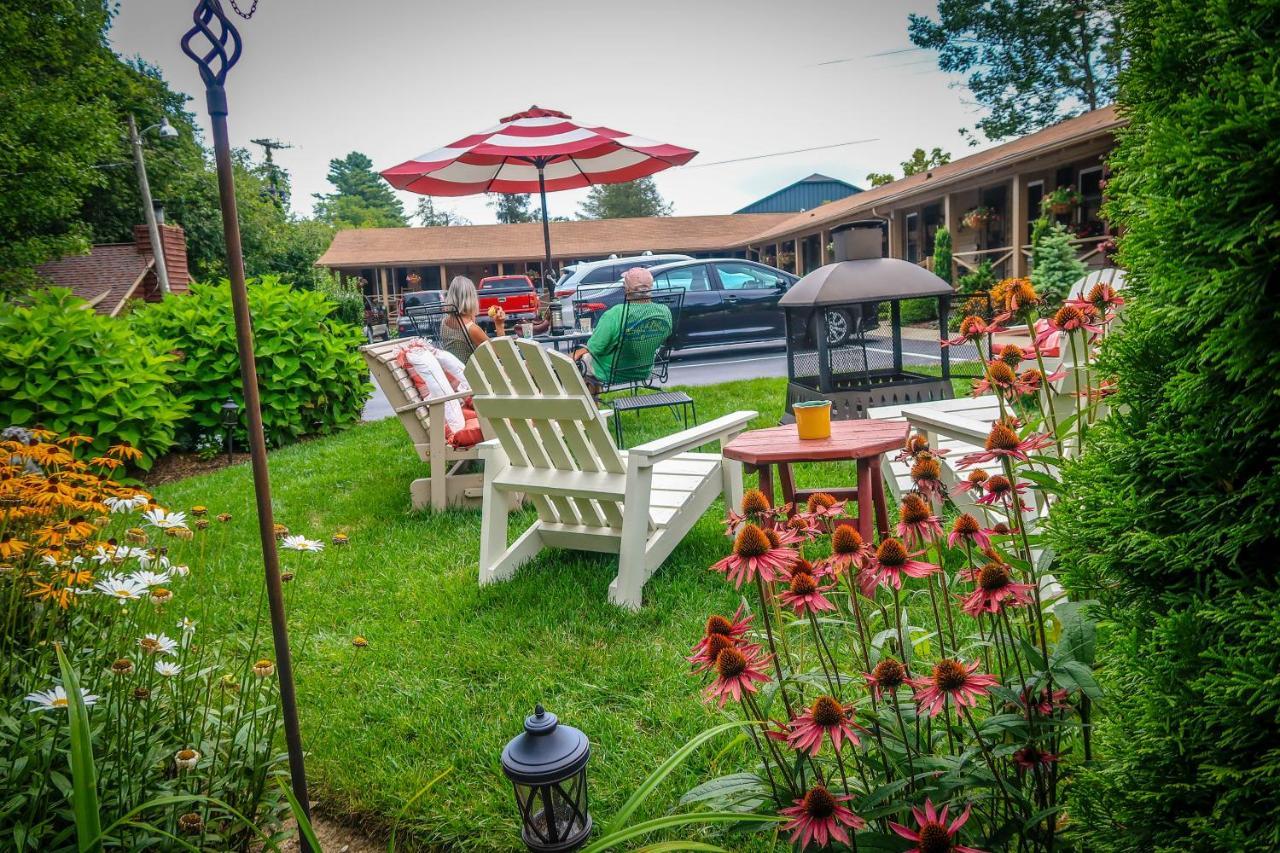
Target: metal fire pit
point(838, 349)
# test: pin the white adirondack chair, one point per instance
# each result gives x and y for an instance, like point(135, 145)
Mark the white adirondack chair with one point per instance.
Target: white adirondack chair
point(424, 421)
point(552, 444)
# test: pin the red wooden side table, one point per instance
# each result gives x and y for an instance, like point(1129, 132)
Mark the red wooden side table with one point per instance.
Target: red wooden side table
point(862, 441)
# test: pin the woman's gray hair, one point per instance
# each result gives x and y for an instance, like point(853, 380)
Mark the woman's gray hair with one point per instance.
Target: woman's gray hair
point(462, 296)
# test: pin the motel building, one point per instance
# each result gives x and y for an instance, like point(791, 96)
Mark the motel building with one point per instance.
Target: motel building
point(1004, 184)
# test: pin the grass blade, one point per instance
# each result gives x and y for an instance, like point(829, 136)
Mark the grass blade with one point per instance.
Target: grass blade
point(84, 777)
point(664, 769)
point(625, 834)
point(304, 824)
point(391, 843)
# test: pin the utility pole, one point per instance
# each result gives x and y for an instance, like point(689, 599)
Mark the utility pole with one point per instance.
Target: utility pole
point(273, 174)
point(148, 209)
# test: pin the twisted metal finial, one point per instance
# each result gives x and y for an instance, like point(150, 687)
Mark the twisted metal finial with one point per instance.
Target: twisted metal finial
point(224, 46)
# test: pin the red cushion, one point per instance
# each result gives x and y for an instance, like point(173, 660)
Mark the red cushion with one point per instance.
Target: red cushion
point(470, 434)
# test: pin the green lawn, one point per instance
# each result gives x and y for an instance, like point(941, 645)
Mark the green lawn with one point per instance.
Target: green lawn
point(451, 669)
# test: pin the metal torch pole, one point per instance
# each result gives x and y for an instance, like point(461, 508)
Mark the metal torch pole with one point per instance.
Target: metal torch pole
point(225, 51)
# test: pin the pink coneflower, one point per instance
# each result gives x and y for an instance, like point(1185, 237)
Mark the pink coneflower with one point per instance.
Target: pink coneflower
point(1000, 376)
point(995, 588)
point(755, 509)
point(754, 554)
point(1012, 355)
point(1002, 441)
point(737, 670)
point(967, 529)
point(826, 716)
point(893, 561)
point(887, 676)
point(1032, 758)
point(823, 505)
point(998, 489)
point(974, 481)
point(847, 549)
point(805, 595)
point(720, 633)
point(804, 527)
point(932, 834)
point(972, 329)
point(926, 473)
point(1100, 298)
point(1071, 318)
point(952, 680)
point(917, 524)
point(917, 442)
point(1047, 703)
point(819, 818)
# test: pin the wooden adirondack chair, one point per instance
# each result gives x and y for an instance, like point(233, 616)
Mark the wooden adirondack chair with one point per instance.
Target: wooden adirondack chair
point(552, 445)
point(424, 421)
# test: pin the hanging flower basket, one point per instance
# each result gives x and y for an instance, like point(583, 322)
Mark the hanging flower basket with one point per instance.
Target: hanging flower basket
point(1062, 200)
point(977, 217)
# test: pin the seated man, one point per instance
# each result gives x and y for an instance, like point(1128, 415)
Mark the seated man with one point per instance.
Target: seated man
point(627, 336)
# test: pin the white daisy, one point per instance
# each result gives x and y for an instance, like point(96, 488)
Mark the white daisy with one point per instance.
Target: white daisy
point(181, 571)
point(123, 589)
point(56, 698)
point(187, 625)
point(150, 579)
point(103, 554)
point(158, 644)
point(301, 543)
point(167, 669)
point(162, 519)
point(147, 559)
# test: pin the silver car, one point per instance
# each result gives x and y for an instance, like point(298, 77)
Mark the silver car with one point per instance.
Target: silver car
point(608, 271)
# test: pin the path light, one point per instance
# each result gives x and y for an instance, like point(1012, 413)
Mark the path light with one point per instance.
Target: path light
point(547, 765)
point(230, 420)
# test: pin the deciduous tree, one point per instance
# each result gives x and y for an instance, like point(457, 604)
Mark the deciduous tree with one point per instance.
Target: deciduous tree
point(619, 201)
point(918, 162)
point(1028, 64)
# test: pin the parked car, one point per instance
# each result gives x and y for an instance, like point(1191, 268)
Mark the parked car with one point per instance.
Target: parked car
point(597, 273)
point(420, 300)
point(514, 294)
point(727, 300)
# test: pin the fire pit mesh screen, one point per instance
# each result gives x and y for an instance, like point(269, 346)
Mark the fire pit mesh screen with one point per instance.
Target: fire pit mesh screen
point(870, 353)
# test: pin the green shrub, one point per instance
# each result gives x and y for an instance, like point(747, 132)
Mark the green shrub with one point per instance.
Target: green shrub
point(1171, 521)
point(345, 295)
point(942, 254)
point(1056, 265)
point(70, 369)
point(918, 311)
point(982, 278)
point(311, 377)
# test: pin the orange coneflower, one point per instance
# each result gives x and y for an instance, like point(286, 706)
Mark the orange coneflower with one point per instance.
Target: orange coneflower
point(125, 452)
point(11, 547)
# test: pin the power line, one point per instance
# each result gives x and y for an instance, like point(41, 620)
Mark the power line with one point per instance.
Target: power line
point(783, 153)
point(868, 56)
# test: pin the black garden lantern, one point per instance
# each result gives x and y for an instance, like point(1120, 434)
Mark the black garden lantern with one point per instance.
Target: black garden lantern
point(230, 416)
point(547, 765)
point(837, 347)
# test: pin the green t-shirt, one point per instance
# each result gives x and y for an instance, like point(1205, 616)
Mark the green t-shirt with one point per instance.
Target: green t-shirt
point(647, 325)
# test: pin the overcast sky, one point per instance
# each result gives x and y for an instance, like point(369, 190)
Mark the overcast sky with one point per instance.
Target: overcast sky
point(730, 78)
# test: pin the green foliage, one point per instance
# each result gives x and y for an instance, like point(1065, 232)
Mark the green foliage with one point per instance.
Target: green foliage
point(942, 254)
point(618, 201)
point(68, 368)
point(915, 311)
point(345, 294)
point(362, 199)
point(56, 125)
point(510, 209)
point(310, 374)
point(982, 278)
point(918, 162)
point(427, 215)
point(1029, 64)
point(1172, 522)
point(1056, 265)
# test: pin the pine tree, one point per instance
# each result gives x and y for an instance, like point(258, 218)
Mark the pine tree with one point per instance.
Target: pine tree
point(362, 200)
point(510, 209)
point(620, 201)
point(428, 216)
point(942, 254)
point(1056, 264)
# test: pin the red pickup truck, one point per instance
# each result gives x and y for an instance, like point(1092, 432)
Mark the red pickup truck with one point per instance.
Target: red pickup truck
point(514, 294)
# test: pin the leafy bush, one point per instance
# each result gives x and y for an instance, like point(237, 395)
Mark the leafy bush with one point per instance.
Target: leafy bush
point(980, 279)
point(942, 254)
point(918, 311)
point(345, 295)
point(311, 376)
point(67, 368)
point(1056, 265)
point(180, 724)
point(1171, 523)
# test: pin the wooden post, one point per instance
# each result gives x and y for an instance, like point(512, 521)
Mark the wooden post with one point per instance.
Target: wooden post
point(824, 239)
point(444, 280)
point(799, 253)
point(386, 297)
point(1018, 224)
point(951, 219)
point(895, 235)
point(502, 268)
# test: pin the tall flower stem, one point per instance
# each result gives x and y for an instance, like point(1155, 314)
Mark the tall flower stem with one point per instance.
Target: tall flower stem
point(764, 756)
point(1077, 373)
point(1053, 417)
point(906, 744)
point(777, 757)
point(1031, 569)
point(777, 663)
point(991, 762)
point(820, 646)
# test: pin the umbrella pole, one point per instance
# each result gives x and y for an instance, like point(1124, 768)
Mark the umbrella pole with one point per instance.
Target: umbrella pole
point(546, 233)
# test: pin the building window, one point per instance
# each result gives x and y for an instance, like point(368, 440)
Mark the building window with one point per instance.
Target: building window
point(912, 227)
point(1089, 216)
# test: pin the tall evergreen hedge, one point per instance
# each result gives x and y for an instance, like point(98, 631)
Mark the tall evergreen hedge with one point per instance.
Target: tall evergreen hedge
point(1173, 521)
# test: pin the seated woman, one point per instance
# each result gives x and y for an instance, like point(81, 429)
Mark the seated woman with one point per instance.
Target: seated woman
point(627, 336)
point(459, 333)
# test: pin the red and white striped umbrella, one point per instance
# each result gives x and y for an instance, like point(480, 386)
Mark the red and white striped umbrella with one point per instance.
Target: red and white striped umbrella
point(535, 151)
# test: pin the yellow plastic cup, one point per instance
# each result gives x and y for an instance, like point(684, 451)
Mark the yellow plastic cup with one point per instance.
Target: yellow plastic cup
point(813, 419)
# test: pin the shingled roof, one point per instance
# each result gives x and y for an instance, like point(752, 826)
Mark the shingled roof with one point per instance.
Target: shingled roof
point(575, 239)
point(105, 278)
point(1091, 125)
